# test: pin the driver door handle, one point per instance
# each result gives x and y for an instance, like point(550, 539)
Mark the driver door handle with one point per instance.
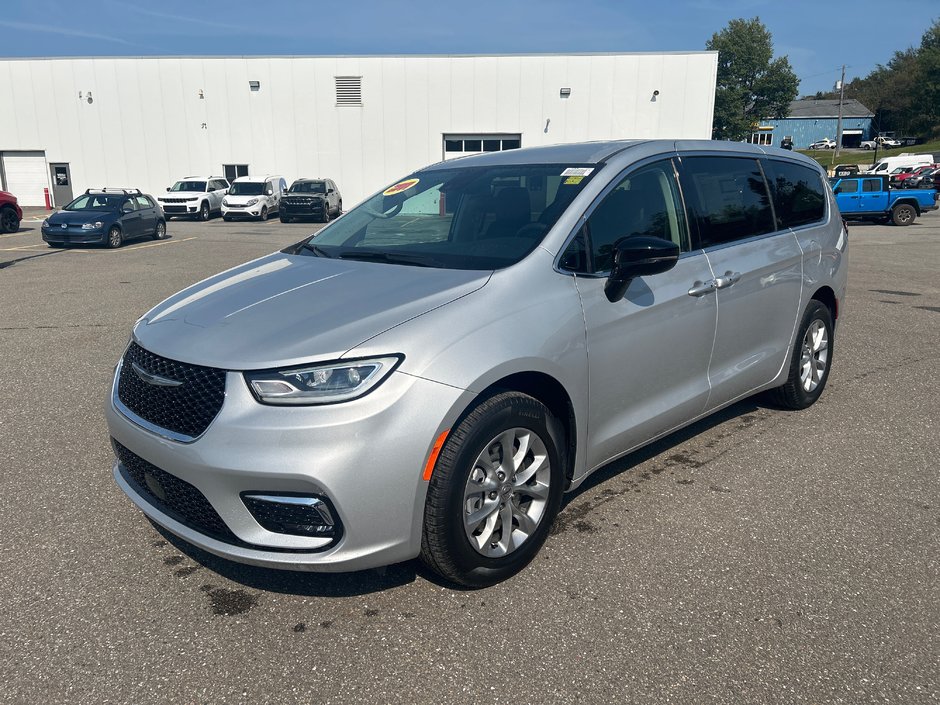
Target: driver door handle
point(700, 288)
point(727, 279)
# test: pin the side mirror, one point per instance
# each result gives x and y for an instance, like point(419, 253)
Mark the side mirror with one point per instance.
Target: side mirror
point(167, 188)
point(638, 257)
point(837, 189)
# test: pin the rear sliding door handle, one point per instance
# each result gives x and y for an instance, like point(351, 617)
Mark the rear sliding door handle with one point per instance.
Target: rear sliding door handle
point(700, 288)
point(727, 279)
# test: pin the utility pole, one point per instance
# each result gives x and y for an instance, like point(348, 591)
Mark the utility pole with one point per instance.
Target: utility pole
point(839, 124)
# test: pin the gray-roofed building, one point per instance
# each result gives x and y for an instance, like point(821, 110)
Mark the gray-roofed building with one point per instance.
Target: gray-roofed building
point(810, 120)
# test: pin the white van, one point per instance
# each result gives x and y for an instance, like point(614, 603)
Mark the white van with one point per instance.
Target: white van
point(253, 197)
point(889, 164)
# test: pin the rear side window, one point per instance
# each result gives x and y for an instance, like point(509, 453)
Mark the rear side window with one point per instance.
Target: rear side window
point(727, 198)
point(871, 185)
point(799, 198)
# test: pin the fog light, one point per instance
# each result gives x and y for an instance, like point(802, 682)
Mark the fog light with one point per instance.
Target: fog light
point(293, 514)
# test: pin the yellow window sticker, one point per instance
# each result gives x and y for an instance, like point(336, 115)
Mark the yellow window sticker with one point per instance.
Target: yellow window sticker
point(399, 187)
point(571, 180)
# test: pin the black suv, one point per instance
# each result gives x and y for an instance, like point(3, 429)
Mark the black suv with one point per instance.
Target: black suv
point(311, 198)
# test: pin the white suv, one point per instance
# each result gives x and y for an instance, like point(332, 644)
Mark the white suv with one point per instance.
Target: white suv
point(195, 197)
point(253, 197)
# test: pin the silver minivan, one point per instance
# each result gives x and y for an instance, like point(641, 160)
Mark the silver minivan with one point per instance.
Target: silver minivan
point(430, 373)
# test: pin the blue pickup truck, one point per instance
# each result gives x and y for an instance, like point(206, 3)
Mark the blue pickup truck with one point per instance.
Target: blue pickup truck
point(868, 197)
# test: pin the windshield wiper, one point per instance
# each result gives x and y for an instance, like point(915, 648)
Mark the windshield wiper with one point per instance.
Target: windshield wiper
point(390, 257)
point(318, 251)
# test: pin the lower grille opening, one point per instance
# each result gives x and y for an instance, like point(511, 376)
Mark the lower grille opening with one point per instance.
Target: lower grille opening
point(185, 503)
point(298, 515)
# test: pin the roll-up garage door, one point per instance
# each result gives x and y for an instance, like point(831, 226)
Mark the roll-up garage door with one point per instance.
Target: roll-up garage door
point(25, 176)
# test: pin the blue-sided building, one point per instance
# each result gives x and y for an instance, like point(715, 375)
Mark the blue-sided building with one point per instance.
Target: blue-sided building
point(810, 120)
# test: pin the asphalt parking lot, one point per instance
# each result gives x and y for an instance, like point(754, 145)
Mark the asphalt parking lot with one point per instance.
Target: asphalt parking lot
point(759, 556)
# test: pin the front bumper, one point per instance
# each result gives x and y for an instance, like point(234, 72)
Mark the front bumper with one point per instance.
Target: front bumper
point(243, 211)
point(365, 457)
point(303, 210)
point(74, 235)
point(187, 208)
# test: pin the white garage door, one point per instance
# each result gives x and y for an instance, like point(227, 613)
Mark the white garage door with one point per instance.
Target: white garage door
point(26, 176)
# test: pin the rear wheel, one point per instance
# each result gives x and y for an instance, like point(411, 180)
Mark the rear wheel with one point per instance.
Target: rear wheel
point(9, 221)
point(494, 491)
point(810, 360)
point(903, 214)
point(159, 233)
point(115, 237)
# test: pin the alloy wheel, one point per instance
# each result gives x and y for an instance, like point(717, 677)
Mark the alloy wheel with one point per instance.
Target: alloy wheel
point(815, 355)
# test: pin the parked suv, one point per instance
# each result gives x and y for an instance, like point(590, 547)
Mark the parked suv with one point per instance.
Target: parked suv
point(253, 197)
point(194, 197)
point(10, 213)
point(430, 373)
point(311, 198)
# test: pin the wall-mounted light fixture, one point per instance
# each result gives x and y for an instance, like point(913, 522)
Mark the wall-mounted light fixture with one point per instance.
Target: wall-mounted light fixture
point(564, 93)
point(88, 98)
point(254, 85)
point(202, 96)
point(653, 99)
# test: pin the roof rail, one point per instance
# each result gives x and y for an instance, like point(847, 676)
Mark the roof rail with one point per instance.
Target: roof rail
point(109, 189)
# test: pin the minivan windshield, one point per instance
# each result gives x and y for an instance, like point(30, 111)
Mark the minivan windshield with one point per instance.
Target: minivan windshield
point(246, 188)
point(96, 202)
point(466, 217)
point(308, 187)
point(199, 186)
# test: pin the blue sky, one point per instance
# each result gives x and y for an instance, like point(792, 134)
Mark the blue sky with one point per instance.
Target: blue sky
point(817, 36)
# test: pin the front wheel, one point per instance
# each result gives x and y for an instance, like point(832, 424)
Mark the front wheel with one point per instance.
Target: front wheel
point(115, 237)
point(204, 211)
point(326, 214)
point(9, 222)
point(284, 218)
point(903, 214)
point(810, 361)
point(264, 213)
point(494, 491)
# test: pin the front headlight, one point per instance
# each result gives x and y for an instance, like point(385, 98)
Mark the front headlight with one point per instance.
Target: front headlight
point(225, 202)
point(92, 226)
point(251, 201)
point(45, 223)
point(320, 384)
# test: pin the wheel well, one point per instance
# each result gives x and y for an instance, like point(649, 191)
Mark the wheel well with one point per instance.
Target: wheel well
point(827, 296)
point(550, 392)
point(907, 202)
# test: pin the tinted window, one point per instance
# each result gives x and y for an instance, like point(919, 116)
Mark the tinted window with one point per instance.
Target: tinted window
point(247, 188)
point(727, 198)
point(870, 185)
point(199, 186)
point(95, 202)
point(799, 197)
point(644, 203)
point(849, 186)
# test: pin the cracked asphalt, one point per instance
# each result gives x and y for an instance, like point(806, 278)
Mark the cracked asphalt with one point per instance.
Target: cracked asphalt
point(758, 556)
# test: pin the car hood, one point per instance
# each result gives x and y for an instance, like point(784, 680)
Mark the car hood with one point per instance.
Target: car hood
point(284, 310)
point(78, 217)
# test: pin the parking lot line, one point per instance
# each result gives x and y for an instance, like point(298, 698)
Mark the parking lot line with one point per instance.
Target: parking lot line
point(19, 248)
point(23, 234)
point(154, 244)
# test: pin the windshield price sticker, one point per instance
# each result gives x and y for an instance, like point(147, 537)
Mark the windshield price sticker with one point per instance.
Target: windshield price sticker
point(577, 171)
point(572, 180)
point(400, 186)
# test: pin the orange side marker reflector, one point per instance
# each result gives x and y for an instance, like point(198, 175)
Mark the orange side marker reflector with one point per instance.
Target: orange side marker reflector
point(435, 451)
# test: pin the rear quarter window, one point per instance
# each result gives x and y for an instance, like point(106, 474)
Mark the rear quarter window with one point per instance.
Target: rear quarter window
point(798, 192)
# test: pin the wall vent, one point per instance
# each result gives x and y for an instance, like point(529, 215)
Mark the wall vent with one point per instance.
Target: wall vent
point(348, 90)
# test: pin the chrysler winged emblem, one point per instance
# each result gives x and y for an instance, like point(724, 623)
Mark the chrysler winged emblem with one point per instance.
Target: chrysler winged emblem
point(153, 379)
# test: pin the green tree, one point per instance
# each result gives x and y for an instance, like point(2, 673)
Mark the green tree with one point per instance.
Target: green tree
point(751, 84)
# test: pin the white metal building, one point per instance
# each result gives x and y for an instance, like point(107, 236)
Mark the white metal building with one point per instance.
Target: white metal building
point(73, 123)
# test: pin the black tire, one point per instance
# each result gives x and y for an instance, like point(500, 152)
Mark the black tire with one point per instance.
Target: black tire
point(9, 221)
point(115, 237)
point(284, 218)
point(159, 232)
point(903, 214)
point(204, 212)
point(445, 546)
point(226, 218)
point(56, 245)
point(264, 213)
point(325, 218)
point(793, 394)
point(339, 209)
